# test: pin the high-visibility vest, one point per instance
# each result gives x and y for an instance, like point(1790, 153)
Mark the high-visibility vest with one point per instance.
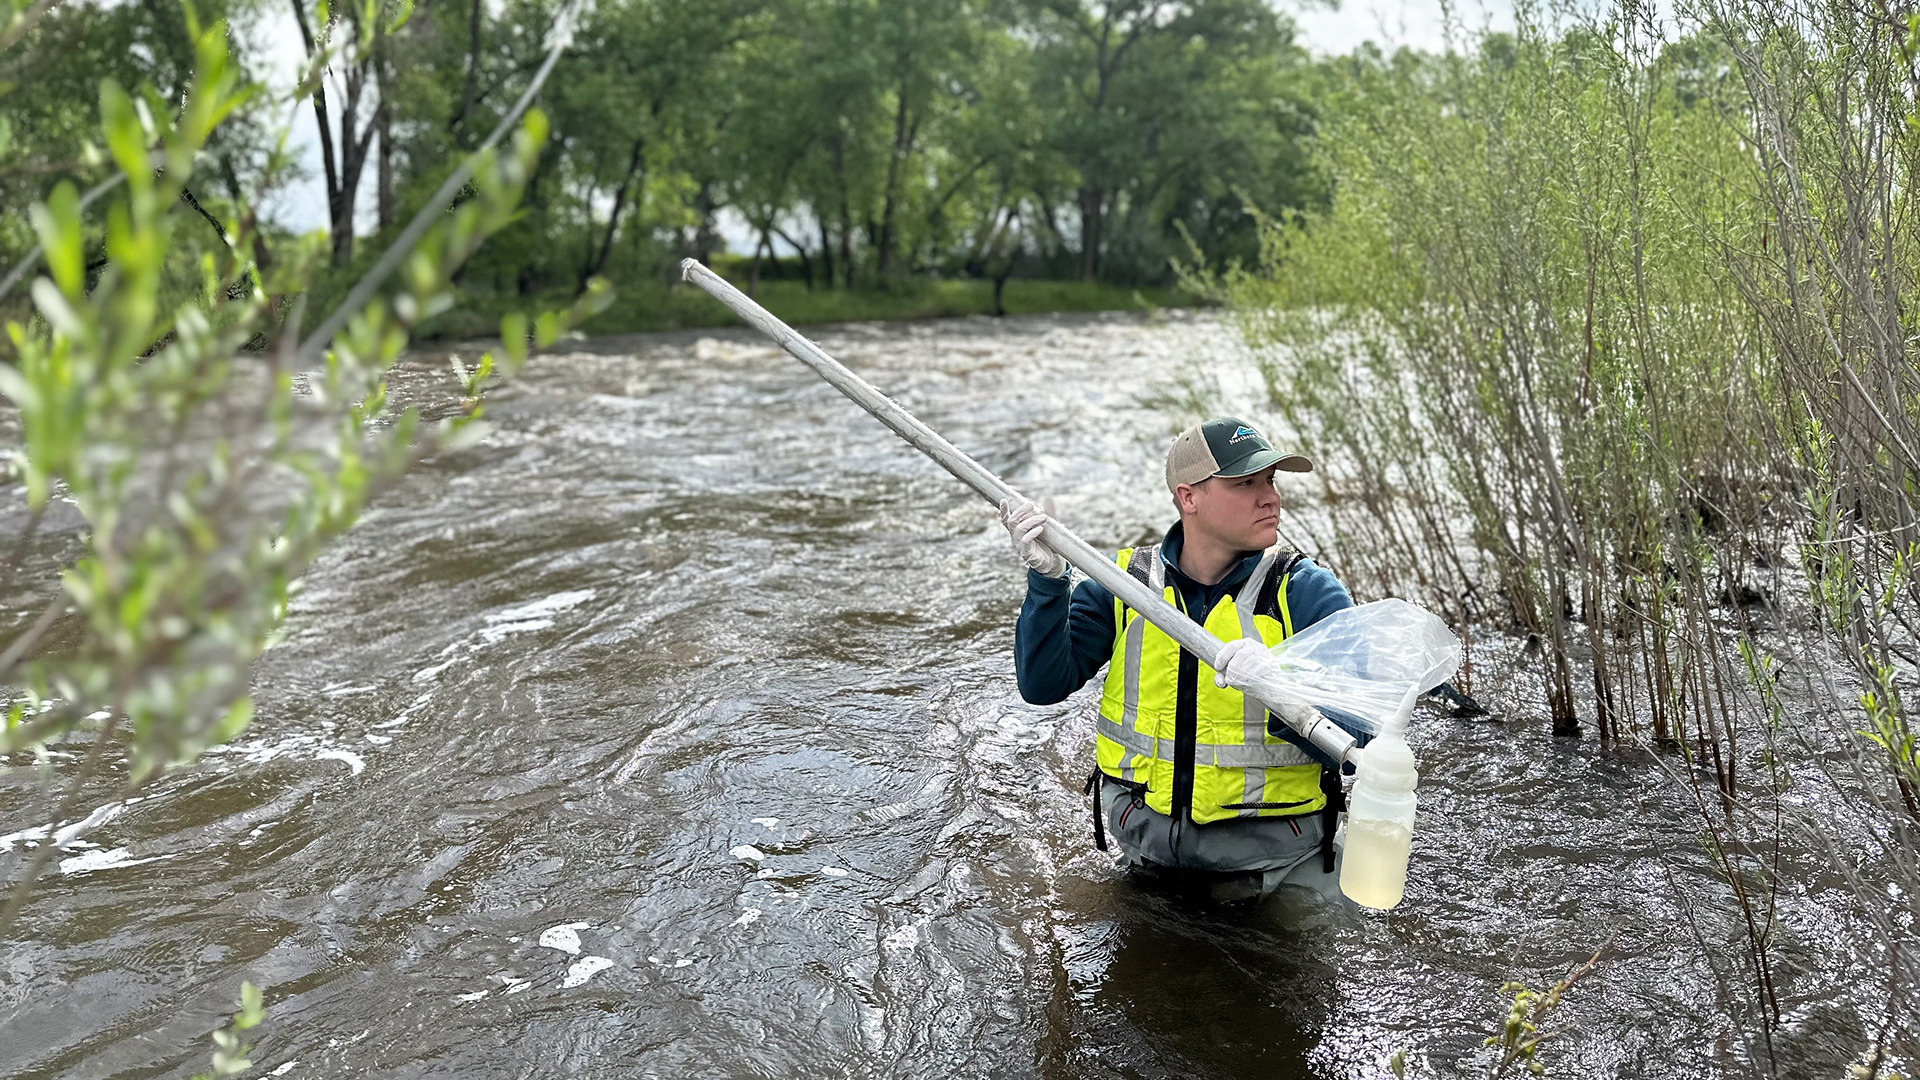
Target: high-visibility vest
point(1189, 746)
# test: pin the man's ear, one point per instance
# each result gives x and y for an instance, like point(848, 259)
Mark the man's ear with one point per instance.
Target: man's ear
point(1184, 498)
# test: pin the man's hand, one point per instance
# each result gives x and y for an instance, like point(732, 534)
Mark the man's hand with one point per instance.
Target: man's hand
point(1247, 666)
point(1024, 521)
point(1242, 662)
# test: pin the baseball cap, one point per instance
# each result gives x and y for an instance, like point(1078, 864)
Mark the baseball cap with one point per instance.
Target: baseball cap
point(1223, 446)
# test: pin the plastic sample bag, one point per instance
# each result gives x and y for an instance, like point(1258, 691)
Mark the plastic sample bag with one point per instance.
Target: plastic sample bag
point(1368, 663)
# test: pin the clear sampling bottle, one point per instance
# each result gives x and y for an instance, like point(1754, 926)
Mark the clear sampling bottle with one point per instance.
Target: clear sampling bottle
point(1380, 809)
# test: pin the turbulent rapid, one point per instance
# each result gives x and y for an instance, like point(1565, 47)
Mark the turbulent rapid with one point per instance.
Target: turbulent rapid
point(671, 731)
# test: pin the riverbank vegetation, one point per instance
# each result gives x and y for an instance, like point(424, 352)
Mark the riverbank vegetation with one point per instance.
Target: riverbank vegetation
point(901, 158)
point(654, 306)
point(1607, 334)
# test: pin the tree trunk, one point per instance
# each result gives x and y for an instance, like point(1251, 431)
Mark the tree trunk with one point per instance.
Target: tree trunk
point(846, 239)
point(473, 68)
point(1091, 205)
point(1048, 218)
point(838, 150)
point(343, 175)
point(703, 234)
point(826, 251)
point(1000, 280)
point(385, 182)
point(903, 139)
point(753, 271)
point(599, 261)
point(321, 121)
point(806, 264)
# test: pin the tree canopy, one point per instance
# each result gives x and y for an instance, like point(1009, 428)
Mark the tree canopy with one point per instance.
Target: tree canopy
point(864, 140)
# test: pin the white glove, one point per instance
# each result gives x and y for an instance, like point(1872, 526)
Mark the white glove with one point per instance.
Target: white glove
point(1024, 521)
point(1247, 666)
point(1248, 652)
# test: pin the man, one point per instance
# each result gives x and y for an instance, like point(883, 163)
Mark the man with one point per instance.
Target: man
point(1191, 775)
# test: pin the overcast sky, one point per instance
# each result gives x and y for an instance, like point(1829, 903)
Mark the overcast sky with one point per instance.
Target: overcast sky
point(302, 206)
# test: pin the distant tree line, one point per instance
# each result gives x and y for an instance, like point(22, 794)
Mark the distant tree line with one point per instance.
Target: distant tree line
point(861, 139)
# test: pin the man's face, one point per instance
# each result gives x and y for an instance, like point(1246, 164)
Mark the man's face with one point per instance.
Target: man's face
point(1243, 511)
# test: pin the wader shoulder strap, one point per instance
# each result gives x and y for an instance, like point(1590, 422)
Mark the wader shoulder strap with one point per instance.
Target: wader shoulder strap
point(1268, 603)
point(1143, 563)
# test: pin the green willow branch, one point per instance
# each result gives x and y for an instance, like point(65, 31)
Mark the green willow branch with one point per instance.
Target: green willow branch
point(24, 22)
point(32, 257)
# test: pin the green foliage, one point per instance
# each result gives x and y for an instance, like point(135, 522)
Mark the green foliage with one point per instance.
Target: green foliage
point(1495, 314)
point(1520, 1034)
point(230, 1054)
point(1603, 327)
point(164, 395)
point(1168, 120)
point(880, 140)
point(653, 307)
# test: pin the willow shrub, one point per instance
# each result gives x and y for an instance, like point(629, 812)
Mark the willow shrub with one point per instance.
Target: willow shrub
point(1604, 338)
point(1540, 411)
point(212, 453)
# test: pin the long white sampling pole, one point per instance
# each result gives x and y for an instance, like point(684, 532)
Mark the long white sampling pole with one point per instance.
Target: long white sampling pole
point(1090, 560)
point(1297, 714)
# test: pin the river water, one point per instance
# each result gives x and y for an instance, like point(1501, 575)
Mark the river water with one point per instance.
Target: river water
point(671, 732)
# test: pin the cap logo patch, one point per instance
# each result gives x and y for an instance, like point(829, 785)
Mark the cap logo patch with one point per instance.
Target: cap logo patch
point(1242, 432)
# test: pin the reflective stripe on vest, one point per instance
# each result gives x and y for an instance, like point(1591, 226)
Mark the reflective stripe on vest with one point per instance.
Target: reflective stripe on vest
point(1255, 768)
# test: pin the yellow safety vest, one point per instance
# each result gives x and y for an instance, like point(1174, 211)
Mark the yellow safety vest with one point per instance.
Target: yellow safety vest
point(1158, 696)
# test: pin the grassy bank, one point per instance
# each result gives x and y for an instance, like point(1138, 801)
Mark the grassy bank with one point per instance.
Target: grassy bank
point(653, 305)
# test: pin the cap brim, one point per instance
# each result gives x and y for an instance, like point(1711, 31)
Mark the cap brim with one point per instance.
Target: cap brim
point(1263, 459)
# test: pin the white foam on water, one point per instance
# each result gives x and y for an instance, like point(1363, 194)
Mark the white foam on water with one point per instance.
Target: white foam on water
point(747, 917)
point(259, 751)
point(889, 812)
point(378, 740)
point(769, 822)
point(550, 605)
point(526, 618)
point(514, 986)
point(833, 871)
point(564, 937)
point(500, 630)
point(406, 713)
point(348, 691)
point(429, 672)
point(475, 996)
point(284, 1069)
point(71, 831)
point(102, 860)
point(355, 764)
point(583, 969)
point(747, 852)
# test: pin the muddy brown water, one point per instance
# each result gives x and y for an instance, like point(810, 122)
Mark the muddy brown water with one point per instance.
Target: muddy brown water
point(671, 732)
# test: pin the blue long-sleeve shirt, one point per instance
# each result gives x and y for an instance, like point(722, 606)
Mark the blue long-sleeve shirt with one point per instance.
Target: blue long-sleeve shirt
point(1065, 633)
